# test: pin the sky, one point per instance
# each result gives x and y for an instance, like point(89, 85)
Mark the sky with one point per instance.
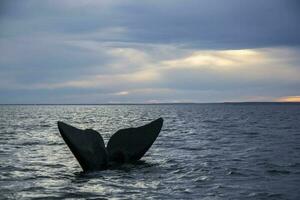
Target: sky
point(151, 51)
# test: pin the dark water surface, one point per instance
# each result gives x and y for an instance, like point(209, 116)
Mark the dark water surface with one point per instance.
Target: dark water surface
point(205, 151)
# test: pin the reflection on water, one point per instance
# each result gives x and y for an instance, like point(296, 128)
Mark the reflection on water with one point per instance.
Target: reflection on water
point(208, 151)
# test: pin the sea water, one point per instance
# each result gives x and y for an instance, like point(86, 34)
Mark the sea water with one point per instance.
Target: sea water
point(204, 151)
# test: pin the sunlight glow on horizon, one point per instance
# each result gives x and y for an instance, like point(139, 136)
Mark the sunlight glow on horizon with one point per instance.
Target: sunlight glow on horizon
point(289, 99)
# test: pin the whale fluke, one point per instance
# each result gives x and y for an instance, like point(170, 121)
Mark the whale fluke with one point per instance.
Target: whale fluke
point(129, 145)
point(126, 145)
point(86, 145)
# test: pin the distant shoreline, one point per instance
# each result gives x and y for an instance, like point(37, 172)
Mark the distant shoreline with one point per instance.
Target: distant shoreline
point(108, 104)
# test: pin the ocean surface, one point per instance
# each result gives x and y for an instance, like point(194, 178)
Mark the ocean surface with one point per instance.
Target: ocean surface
point(204, 151)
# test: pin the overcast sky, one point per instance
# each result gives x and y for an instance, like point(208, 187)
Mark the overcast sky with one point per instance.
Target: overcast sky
point(123, 51)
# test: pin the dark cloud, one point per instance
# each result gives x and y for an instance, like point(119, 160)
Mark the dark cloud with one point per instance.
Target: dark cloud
point(203, 24)
point(215, 24)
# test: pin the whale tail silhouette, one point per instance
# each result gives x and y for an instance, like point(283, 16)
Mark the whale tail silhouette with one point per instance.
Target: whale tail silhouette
point(86, 145)
point(126, 145)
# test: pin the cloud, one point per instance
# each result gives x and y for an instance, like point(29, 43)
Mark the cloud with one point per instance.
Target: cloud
point(248, 64)
point(104, 81)
point(260, 72)
point(122, 93)
point(149, 51)
point(202, 24)
point(289, 99)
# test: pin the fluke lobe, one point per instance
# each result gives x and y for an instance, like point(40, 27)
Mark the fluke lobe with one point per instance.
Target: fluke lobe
point(126, 145)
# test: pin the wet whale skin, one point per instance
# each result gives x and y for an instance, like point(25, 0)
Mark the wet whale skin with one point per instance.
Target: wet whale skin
point(126, 145)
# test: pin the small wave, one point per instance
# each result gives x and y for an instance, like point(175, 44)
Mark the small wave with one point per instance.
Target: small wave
point(29, 143)
point(265, 195)
point(286, 128)
point(53, 165)
point(276, 171)
point(192, 148)
point(201, 179)
point(294, 165)
point(34, 188)
point(45, 125)
point(250, 133)
point(55, 143)
point(235, 173)
point(210, 121)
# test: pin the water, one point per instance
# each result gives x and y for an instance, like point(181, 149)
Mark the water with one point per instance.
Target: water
point(205, 151)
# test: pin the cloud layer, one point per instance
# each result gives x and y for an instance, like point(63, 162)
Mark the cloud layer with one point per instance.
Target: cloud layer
point(150, 51)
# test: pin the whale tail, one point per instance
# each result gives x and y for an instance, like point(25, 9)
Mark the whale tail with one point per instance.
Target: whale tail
point(126, 145)
point(129, 145)
point(86, 145)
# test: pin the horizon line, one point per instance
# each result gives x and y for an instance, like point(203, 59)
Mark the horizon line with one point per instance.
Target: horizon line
point(167, 103)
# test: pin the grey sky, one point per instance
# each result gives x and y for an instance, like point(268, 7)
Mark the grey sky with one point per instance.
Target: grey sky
point(72, 51)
